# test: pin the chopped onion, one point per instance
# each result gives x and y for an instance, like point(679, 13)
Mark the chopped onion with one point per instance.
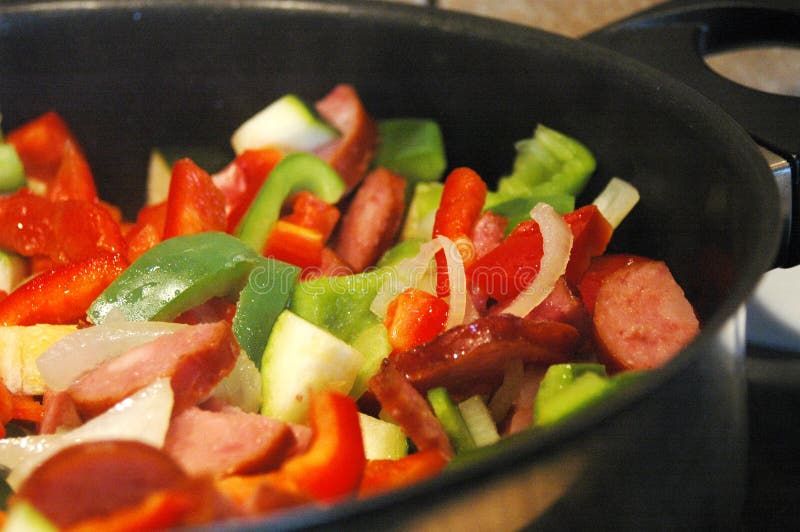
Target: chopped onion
point(503, 399)
point(75, 354)
point(242, 386)
point(144, 417)
point(556, 245)
point(616, 200)
point(414, 273)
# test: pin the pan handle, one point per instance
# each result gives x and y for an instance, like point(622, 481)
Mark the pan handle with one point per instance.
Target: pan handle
point(675, 36)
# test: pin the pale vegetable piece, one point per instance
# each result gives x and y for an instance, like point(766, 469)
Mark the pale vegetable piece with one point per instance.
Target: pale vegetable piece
point(479, 421)
point(242, 386)
point(287, 124)
point(159, 175)
point(20, 347)
point(616, 201)
point(301, 358)
point(382, 440)
point(144, 417)
point(84, 349)
point(556, 245)
point(22, 517)
point(13, 270)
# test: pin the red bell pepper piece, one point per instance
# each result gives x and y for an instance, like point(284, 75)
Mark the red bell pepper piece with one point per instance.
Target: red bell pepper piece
point(18, 406)
point(64, 231)
point(310, 211)
point(413, 318)
point(295, 244)
point(386, 475)
point(74, 179)
point(459, 209)
point(591, 233)
point(63, 294)
point(40, 144)
point(241, 180)
point(332, 467)
point(148, 229)
point(507, 269)
point(194, 203)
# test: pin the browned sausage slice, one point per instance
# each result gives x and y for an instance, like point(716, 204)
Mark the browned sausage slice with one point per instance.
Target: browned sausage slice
point(350, 155)
point(642, 317)
point(409, 409)
point(97, 478)
point(226, 442)
point(195, 359)
point(372, 220)
point(471, 358)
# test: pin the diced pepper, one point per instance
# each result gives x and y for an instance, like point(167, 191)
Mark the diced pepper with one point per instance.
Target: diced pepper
point(413, 148)
point(177, 275)
point(65, 231)
point(462, 201)
point(241, 180)
point(194, 203)
point(294, 244)
point(452, 420)
point(385, 475)
point(591, 233)
point(40, 144)
point(74, 179)
point(295, 172)
point(269, 286)
point(63, 294)
point(413, 318)
point(313, 213)
point(340, 304)
point(332, 467)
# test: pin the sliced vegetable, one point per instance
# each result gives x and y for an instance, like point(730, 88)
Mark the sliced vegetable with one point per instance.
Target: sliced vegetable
point(556, 246)
point(301, 358)
point(144, 417)
point(287, 124)
point(21, 347)
point(74, 179)
point(25, 518)
point(382, 440)
point(616, 200)
point(159, 173)
point(63, 294)
point(518, 210)
point(267, 293)
point(413, 148)
point(332, 467)
point(176, 275)
point(13, 270)
point(462, 201)
point(479, 421)
point(548, 163)
point(453, 422)
point(373, 344)
point(295, 172)
point(340, 305)
point(40, 144)
point(414, 317)
point(384, 475)
point(12, 174)
point(567, 388)
point(194, 203)
point(421, 211)
point(295, 244)
point(242, 386)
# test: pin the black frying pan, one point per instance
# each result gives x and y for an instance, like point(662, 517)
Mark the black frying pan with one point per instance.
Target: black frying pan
point(668, 452)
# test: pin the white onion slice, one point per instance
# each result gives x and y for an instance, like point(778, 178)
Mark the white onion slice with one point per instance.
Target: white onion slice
point(242, 386)
point(556, 245)
point(144, 417)
point(616, 200)
point(72, 356)
point(415, 272)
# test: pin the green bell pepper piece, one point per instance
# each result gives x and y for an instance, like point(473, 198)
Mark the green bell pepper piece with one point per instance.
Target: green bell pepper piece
point(339, 305)
point(422, 211)
point(519, 209)
point(373, 343)
point(452, 421)
point(548, 164)
point(177, 275)
point(269, 287)
point(12, 174)
point(413, 148)
point(401, 251)
point(294, 173)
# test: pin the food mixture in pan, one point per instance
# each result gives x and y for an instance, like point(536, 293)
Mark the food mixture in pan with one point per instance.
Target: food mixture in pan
point(332, 313)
